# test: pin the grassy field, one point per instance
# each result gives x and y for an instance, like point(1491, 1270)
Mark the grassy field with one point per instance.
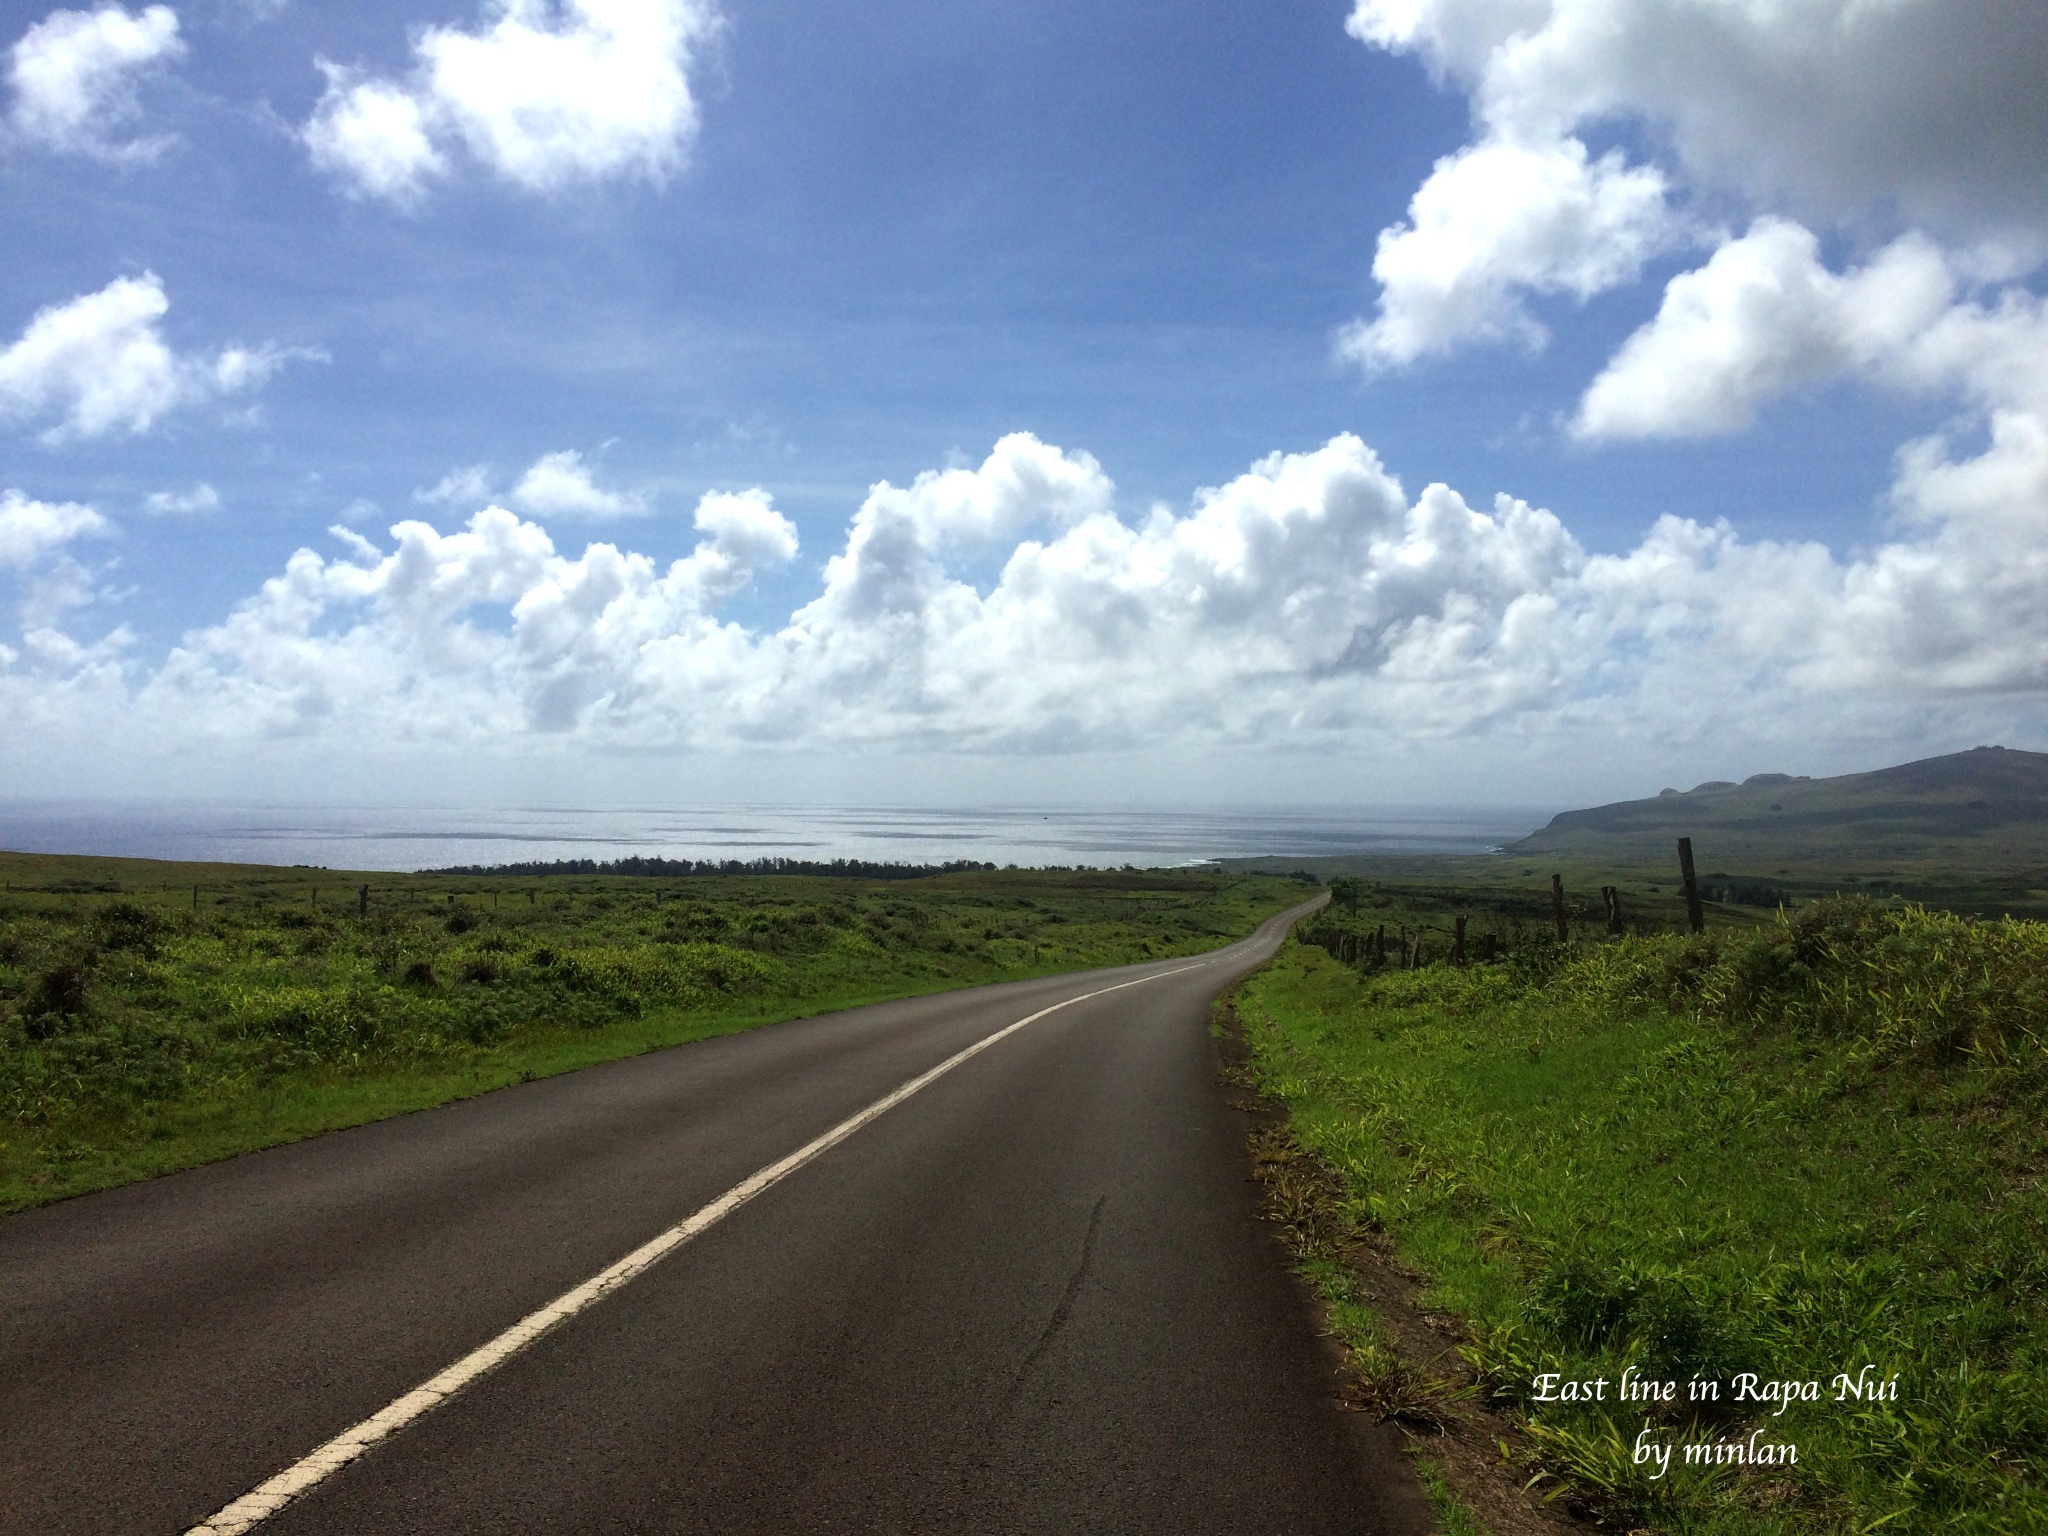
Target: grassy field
point(154, 1015)
point(1737, 890)
point(1805, 1150)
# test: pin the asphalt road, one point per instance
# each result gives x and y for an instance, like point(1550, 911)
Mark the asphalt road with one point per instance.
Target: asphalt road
point(1036, 1296)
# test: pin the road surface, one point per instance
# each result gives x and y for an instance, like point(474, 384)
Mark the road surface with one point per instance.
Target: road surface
point(1033, 1296)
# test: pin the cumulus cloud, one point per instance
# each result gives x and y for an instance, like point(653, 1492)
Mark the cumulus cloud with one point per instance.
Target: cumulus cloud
point(373, 136)
point(99, 364)
point(1761, 317)
point(1765, 315)
point(1912, 115)
point(1825, 109)
point(585, 643)
point(75, 75)
point(29, 530)
point(1310, 601)
point(542, 94)
point(1287, 598)
point(1500, 219)
point(561, 485)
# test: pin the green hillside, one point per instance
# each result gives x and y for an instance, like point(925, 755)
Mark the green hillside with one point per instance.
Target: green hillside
point(1984, 807)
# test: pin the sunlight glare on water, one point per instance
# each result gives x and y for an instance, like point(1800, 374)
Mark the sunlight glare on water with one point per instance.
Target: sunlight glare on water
point(390, 839)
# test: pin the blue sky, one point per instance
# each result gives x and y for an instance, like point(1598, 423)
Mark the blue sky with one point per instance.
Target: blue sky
point(811, 248)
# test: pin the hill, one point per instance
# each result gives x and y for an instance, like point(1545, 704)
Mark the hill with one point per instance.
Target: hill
point(1987, 807)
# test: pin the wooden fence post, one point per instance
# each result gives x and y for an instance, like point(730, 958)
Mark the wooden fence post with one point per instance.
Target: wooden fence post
point(363, 902)
point(1564, 934)
point(1458, 944)
point(1694, 915)
point(1611, 896)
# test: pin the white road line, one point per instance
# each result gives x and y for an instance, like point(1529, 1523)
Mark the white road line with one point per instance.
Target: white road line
point(265, 1500)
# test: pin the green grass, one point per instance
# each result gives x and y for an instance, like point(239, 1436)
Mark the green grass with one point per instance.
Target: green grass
point(154, 1016)
point(1736, 887)
point(1451, 1513)
point(1792, 1150)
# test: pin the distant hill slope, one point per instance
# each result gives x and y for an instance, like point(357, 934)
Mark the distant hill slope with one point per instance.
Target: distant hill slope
point(1988, 805)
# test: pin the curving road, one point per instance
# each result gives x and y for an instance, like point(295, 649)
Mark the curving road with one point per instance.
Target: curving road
point(1033, 1296)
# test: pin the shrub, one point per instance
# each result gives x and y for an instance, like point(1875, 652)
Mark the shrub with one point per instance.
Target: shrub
point(124, 925)
point(58, 992)
point(311, 1025)
point(630, 978)
point(99, 1065)
point(1904, 981)
point(1901, 981)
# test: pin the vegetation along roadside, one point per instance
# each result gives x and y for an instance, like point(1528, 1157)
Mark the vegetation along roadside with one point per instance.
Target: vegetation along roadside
point(1738, 1232)
point(156, 1015)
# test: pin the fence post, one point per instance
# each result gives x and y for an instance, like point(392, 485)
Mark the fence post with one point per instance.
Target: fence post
point(1458, 944)
point(363, 902)
point(1611, 895)
point(1693, 914)
point(1564, 934)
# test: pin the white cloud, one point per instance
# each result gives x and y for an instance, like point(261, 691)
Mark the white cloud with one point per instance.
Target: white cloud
point(372, 134)
point(543, 95)
point(201, 498)
point(1281, 602)
point(29, 530)
point(1826, 109)
point(1861, 115)
point(1311, 604)
point(560, 485)
point(468, 484)
point(1915, 132)
point(329, 645)
point(746, 534)
point(1765, 316)
point(100, 364)
point(1498, 219)
point(74, 75)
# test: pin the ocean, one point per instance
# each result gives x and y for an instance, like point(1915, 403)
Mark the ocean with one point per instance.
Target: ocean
point(340, 837)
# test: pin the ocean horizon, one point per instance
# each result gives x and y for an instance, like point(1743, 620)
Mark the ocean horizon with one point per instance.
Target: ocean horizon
point(414, 838)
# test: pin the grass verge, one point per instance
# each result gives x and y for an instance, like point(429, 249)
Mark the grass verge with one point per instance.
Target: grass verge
point(1790, 1176)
